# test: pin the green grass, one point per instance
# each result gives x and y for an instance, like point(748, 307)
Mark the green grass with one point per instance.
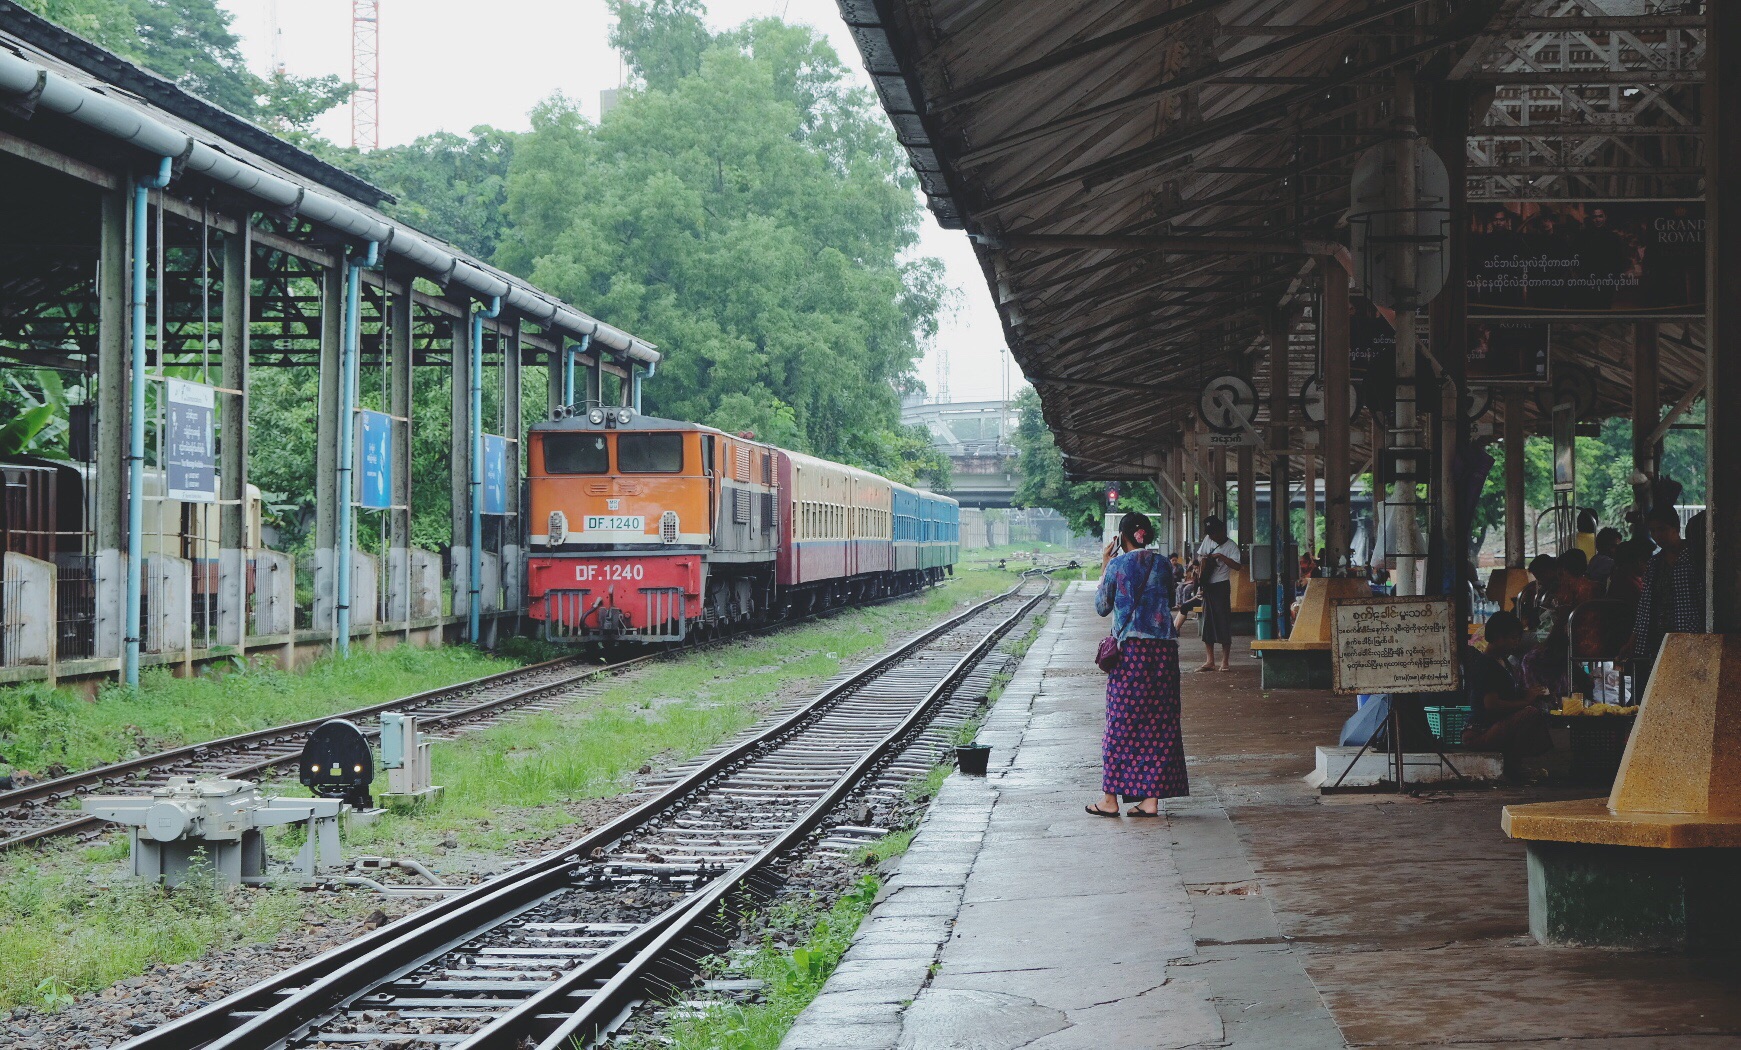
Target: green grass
point(70, 923)
point(791, 978)
point(511, 781)
point(63, 933)
point(49, 731)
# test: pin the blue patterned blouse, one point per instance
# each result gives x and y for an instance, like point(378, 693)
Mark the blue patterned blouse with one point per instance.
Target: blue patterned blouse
point(1133, 571)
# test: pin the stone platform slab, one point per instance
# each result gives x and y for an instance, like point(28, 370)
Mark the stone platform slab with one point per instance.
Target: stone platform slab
point(1258, 914)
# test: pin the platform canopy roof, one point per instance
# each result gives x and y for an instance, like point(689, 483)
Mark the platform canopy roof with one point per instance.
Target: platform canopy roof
point(1145, 180)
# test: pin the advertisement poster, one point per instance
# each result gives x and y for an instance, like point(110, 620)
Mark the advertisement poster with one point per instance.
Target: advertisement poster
point(495, 474)
point(190, 455)
point(1508, 352)
point(375, 448)
point(1586, 259)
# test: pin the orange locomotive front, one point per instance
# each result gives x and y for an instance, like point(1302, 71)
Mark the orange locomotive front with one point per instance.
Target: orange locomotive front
point(645, 529)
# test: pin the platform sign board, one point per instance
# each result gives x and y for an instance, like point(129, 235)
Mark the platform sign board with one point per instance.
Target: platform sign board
point(1599, 259)
point(190, 455)
point(1508, 352)
point(495, 474)
point(375, 452)
point(1394, 645)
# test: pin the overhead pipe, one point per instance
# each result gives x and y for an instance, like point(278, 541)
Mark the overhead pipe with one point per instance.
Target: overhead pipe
point(477, 465)
point(635, 377)
point(136, 422)
point(125, 122)
point(350, 363)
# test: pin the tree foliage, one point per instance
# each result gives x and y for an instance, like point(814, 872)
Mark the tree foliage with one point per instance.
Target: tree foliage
point(451, 186)
point(1044, 484)
point(192, 43)
point(747, 210)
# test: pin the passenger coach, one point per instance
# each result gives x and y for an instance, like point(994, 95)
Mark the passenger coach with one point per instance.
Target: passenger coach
point(647, 529)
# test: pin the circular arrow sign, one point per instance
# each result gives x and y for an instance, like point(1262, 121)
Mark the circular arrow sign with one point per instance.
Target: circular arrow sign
point(1571, 385)
point(1476, 401)
point(1312, 401)
point(1228, 404)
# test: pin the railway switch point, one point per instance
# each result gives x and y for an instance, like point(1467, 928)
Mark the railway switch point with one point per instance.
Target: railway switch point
point(216, 824)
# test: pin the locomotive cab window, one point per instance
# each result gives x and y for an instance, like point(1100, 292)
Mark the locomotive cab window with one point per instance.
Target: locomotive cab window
point(649, 453)
point(576, 454)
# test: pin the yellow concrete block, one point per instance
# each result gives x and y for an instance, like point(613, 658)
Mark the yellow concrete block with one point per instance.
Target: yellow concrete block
point(1313, 623)
point(1589, 821)
point(1244, 591)
point(1505, 585)
point(1685, 752)
point(1679, 785)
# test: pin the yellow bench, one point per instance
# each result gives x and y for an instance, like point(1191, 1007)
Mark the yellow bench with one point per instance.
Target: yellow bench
point(1302, 659)
point(1656, 863)
point(1244, 601)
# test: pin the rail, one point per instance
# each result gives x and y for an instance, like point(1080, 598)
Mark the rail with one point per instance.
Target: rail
point(313, 995)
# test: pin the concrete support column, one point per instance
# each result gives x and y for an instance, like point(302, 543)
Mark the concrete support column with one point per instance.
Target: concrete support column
point(1514, 480)
point(1280, 416)
point(1338, 449)
point(1452, 113)
point(110, 469)
point(1405, 436)
point(1217, 502)
point(326, 456)
point(1646, 413)
point(1310, 484)
point(233, 539)
point(1192, 484)
point(400, 367)
point(1247, 497)
point(459, 467)
point(1723, 316)
point(553, 380)
point(513, 566)
point(595, 378)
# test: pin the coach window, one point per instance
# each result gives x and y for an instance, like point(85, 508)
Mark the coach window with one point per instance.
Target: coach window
point(576, 454)
point(649, 453)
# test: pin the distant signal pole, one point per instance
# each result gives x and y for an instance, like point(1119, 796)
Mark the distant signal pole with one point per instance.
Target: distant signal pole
point(366, 74)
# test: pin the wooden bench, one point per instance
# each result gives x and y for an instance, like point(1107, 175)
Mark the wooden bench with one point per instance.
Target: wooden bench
point(1657, 864)
point(1302, 659)
point(1244, 603)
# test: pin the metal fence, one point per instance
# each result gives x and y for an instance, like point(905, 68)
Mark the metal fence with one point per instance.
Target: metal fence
point(75, 606)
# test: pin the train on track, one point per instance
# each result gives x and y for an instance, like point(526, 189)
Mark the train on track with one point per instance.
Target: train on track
point(646, 530)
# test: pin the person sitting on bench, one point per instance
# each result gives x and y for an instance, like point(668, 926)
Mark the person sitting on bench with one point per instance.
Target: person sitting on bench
point(1505, 716)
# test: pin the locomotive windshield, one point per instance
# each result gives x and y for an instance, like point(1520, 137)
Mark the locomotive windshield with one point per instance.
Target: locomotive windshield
point(649, 453)
point(576, 454)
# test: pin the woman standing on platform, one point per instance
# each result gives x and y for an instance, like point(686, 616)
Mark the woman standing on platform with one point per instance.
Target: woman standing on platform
point(1142, 751)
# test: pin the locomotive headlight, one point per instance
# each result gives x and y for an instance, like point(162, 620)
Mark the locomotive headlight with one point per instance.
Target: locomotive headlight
point(596, 417)
point(624, 415)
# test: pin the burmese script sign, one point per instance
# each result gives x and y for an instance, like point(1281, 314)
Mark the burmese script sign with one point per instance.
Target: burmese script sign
point(1586, 259)
point(1394, 645)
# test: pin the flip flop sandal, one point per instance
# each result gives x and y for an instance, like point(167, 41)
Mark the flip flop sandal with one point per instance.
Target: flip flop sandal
point(1097, 811)
point(1135, 812)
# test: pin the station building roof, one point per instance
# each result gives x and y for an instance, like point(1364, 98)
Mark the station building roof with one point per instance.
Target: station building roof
point(77, 105)
point(1145, 180)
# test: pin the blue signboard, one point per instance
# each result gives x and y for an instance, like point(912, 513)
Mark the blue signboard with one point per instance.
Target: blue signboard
point(375, 449)
point(495, 474)
point(189, 446)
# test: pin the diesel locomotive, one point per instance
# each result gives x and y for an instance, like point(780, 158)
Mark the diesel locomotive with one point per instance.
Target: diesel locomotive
point(648, 530)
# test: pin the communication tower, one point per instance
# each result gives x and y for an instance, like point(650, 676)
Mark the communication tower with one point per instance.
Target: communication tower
point(365, 73)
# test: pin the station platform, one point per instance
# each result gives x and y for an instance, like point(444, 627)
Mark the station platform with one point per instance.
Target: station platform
point(1256, 915)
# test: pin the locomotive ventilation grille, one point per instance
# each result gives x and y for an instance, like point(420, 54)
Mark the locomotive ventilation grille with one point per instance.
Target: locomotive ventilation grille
point(668, 527)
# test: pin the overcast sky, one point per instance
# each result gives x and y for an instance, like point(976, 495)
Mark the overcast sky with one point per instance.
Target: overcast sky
point(454, 64)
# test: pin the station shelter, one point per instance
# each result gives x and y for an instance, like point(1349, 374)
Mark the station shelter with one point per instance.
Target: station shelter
point(160, 255)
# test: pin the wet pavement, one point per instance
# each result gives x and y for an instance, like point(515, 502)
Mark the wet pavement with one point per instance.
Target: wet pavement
point(1256, 915)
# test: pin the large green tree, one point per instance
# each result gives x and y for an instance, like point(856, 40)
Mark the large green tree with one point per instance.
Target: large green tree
point(192, 43)
point(1044, 484)
point(747, 209)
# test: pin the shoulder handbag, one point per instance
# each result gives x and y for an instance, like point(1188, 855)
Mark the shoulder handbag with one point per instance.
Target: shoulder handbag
point(1107, 657)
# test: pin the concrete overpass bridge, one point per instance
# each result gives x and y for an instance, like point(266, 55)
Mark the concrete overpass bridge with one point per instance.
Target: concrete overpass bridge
point(978, 437)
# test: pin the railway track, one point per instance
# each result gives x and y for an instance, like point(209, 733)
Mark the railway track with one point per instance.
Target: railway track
point(563, 948)
point(32, 814)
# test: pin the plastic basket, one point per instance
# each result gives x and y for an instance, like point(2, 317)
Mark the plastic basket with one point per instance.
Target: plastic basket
point(1447, 724)
point(1598, 743)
